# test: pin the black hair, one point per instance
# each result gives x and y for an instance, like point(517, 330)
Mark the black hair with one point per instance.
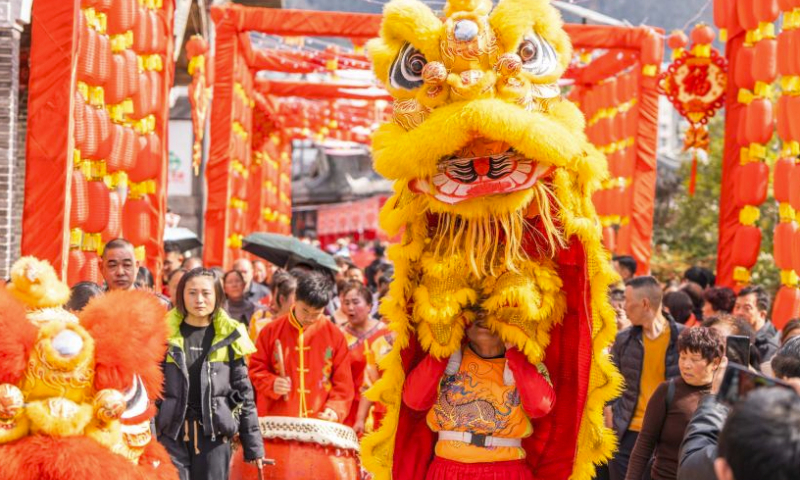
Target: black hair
point(791, 325)
point(117, 243)
point(283, 285)
point(80, 294)
point(233, 272)
point(762, 297)
point(651, 289)
point(680, 306)
point(219, 295)
point(699, 275)
point(314, 289)
point(144, 278)
point(786, 362)
point(627, 262)
point(761, 436)
point(706, 342)
point(695, 294)
point(172, 247)
point(722, 299)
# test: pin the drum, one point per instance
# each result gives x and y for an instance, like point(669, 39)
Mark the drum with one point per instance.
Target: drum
point(303, 449)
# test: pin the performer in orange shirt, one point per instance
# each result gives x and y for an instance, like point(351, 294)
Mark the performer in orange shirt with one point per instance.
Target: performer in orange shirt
point(318, 382)
point(360, 332)
point(480, 402)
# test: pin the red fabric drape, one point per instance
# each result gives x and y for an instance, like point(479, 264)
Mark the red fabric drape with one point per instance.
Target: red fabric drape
point(217, 171)
point(45, 219)
point(728, 210)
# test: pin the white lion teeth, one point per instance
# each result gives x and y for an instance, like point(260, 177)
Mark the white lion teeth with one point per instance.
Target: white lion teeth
point(462, 191)
point(449, 187)
point(518, 177)
point(439, 179)
point(524, 167)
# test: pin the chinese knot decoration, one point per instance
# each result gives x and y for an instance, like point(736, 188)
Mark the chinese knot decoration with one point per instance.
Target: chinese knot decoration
point(695, 83)
point(199, 94)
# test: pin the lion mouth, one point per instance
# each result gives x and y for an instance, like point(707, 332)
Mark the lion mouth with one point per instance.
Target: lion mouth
point(464, 177)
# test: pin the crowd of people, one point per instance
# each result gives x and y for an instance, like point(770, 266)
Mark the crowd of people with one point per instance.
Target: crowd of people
point(224, 327)
point(671, 350)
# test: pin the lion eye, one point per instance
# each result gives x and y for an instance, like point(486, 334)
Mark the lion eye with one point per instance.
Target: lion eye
point(538, 56)
point(406, 71)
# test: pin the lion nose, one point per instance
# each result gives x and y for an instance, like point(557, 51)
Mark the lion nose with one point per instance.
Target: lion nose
point(67, 343)
point(465, 30)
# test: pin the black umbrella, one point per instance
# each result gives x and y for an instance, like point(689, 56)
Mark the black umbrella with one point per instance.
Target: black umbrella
point(183, 237)
point(286, 252)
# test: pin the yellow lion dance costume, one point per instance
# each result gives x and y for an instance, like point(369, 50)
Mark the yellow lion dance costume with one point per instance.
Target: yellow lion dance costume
point(77, 392)
point(493, 184)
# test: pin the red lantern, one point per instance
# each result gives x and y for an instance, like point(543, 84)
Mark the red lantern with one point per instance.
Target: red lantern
point(796, 251)
point(92, 141)
point(122, 17)
point(766, 68)
point(75, 264)
point(743, 74)
point(702, 34)
point(79, 118)
point(103, 58)
point(131, 72)
point(793, 115)
point(746, 243)
point(143, 98)
point(759, 121)
point(725, 14)
point(114, 159)
point(114, 90)
point(142, 32)
point(158, 42)
point(136, 220)
point(97, 194)
point(129, 137)
point(782, 117)
point(105, 132)
point(87, 53)
point(752, 181)
point(784, 53)
point(783, 237)
point(787, 306)
point(677, 39)
point(794, 53)
point(745, 14)
point(157, 89)
point(114, 227)
point(91, 267)
point(786, 5)
point(148, 157)
point(794, 189)
point(79, 208)
point(783, 172)
point(766, 11)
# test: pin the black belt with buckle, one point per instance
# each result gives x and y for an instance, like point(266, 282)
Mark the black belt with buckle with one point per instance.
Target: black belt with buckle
point(478, 440)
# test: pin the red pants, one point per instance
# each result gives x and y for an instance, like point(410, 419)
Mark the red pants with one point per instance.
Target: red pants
point(443, 469)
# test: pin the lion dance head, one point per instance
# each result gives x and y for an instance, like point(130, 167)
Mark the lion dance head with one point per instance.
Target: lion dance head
point(77, 390)
point(493, 180)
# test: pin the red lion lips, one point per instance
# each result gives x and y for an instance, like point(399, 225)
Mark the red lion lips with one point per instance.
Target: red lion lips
point(466, 175)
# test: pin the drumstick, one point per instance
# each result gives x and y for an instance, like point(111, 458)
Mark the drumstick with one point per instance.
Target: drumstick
point(281, 366)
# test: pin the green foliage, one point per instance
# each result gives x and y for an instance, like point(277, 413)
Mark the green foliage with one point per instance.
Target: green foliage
point(685, 230)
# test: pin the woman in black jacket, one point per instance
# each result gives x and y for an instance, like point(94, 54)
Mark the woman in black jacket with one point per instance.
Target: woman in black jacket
point(207, 394)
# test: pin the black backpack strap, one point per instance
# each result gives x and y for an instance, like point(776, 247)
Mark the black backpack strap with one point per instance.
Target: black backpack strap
point(670, 393)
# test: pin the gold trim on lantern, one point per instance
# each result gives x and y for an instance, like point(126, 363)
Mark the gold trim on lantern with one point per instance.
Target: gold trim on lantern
point(786, 213)
point(140, 253)
point(789, 278)
point(92, 242)
point(75, 238)
point(749, 215)
point(741, 275)
point(650, 70)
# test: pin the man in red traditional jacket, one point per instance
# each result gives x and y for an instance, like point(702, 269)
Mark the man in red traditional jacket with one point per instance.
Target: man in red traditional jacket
point(317, 382)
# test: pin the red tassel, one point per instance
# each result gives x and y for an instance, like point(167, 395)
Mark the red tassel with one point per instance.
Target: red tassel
point(693, 176)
